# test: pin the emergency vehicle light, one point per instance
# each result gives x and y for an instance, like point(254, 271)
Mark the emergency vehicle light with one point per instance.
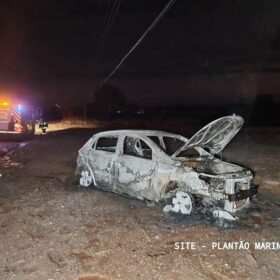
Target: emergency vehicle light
point(19, 107)
point(4, 103)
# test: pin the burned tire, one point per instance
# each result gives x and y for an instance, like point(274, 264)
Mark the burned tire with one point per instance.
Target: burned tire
point(85, 179)
point(182, 203)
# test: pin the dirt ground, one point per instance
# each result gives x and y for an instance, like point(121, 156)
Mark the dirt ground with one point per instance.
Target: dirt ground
point(52, 229)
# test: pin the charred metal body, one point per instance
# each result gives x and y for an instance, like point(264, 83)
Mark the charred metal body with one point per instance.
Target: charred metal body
point(157, 166)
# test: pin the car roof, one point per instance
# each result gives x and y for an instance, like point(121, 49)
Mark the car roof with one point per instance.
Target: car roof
point(139, 132)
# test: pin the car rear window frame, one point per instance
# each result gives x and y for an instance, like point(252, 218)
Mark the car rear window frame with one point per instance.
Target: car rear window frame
point(104, 147)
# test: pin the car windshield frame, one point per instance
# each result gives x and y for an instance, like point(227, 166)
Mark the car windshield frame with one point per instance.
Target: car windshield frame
point(161, 143)
point(202, 152)
point(162, 146)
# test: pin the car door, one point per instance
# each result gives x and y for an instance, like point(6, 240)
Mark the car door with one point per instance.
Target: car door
point(135, 168)
point(102, 157)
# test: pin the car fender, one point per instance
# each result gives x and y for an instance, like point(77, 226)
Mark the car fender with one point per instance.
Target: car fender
point(193, 184)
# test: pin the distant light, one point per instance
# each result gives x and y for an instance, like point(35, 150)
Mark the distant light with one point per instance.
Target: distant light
point(4, 103)
point(18, 127)
point(19, 107)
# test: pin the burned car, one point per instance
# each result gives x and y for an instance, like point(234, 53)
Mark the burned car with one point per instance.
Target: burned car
point(165, 167)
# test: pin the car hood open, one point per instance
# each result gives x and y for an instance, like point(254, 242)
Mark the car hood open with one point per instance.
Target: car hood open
point(214, 136)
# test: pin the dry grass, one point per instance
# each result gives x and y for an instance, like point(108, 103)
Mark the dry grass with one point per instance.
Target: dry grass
point(93, 277)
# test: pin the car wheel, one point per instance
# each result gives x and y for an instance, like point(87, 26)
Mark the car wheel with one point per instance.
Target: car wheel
point(181, 203)
point(85, 179)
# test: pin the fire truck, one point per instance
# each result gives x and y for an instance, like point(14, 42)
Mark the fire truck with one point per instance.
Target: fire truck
point(17, 118)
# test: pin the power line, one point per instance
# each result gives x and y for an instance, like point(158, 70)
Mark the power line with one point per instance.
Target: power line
point(110, 21)
point(105, 19)
point(111, 12)
point(150, 28)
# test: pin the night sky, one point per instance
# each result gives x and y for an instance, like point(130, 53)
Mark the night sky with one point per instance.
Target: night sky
point(200, 52)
